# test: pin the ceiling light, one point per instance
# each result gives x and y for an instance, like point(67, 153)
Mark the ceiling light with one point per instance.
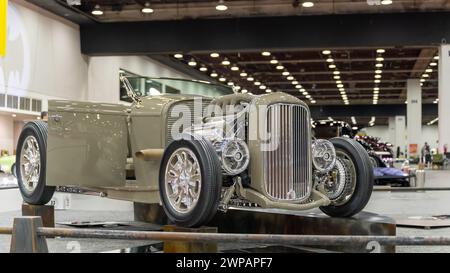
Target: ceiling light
point(257, 83)
point(342, 89)
point(308, 96)
point(250, 79)
point(421, 84)
point(221, 6)
point(377, 76)
point(303, 90)
point(433, 64)
point(308, 4)
point(230, 83)
point(97, 11)
point(243, 74)
point(342, 92)
point(436, 57)
point(214, 74)
point(422, 80)
point(279, 67)
point(340, 85)
point(326, 52)
point(268, 90)
point(222, 79)
point(376, 88)
point(336, 72)
point(336, 77)
point(203, 68)
point(290, 78)
point(380, 50)
point(386, 2)
point(244, 91)
point(305, 93)
point(226, 62)
point(178, 55)
point(234, 68)
point(338, 82)
point(379, 71)
point(379, 65)
point(376, 92)
point(285, 73)
point(214, 55)
point(237, 87)
point(332, 66)
point(425, 75)
point(379, 59)
point(262, 87)
point(376, 81)
point(298, 86)
point(313, 101)
point(265, 53)
point(147, 8)
point(14, 115)
point(406, 102)
point(429, 70)
point(273, 61)
point(294, 82)
point(330, 60)
point(192, 62)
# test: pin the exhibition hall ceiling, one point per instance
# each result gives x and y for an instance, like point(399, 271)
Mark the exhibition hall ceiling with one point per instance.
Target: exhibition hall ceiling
point(325, 76)
point(131, 10)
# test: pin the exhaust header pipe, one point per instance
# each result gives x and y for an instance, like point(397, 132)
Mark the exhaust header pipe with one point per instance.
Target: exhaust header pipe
point(150, 154)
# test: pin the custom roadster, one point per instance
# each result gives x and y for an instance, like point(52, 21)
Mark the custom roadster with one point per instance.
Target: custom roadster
point(193, 154)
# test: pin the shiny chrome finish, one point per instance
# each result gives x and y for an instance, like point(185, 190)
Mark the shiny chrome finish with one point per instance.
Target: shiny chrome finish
point(183, 180)
point(30, 163)
point(287, 174)
point(194, 116)
point(342, 182)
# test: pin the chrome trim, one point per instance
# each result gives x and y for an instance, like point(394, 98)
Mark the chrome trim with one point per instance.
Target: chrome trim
point(288, 168)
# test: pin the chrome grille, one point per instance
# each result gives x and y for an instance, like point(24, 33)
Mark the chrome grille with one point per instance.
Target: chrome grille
point(194, 117)
point(287, 163)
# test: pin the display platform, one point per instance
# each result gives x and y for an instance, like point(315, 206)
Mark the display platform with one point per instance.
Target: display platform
point(264, 221)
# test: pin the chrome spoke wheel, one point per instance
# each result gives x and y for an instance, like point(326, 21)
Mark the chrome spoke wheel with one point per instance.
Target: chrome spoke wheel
point(183, 180)
point(341, 183)
point(30, 164)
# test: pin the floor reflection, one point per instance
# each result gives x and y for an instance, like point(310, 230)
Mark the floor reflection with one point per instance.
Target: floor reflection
point(7, 181)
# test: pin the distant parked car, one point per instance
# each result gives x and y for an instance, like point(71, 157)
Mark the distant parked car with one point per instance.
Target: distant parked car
point(8, 164)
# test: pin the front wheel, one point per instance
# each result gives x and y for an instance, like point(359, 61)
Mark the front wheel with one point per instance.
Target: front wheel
point(350, 183)
point(31, 164)
point(190, 181)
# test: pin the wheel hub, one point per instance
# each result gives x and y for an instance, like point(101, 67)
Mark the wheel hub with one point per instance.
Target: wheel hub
point(183, 180)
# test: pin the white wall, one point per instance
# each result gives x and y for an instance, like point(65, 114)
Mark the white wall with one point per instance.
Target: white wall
point(43, 58)
point(104, 74)
point(6, 133)
point(429, 134)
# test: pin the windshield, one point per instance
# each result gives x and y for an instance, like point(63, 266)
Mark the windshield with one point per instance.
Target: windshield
point(145, 86)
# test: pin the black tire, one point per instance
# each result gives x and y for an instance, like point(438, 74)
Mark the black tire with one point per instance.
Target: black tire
point(211, 182)
point(364, 179)
point(42, 193)
point(13, 170)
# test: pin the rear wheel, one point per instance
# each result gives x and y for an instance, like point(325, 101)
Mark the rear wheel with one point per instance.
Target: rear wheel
point(351, 181)
point(31, 161)
point(190, 181)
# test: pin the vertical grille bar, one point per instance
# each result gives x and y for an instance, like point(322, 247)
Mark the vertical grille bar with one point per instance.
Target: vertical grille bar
point(287, 174)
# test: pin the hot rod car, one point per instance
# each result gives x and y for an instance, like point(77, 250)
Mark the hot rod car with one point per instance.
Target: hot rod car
point(166, 148)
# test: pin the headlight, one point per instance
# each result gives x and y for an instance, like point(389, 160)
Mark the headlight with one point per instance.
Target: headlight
point(324, 155)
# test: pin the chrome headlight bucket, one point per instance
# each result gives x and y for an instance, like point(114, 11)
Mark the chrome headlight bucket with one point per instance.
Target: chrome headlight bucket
point(323, 155)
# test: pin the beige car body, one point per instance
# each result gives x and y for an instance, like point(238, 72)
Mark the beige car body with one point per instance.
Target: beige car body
point(92, 145)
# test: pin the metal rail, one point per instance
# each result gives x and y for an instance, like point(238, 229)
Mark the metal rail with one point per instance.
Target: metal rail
point(243, 238)
point(5, 230)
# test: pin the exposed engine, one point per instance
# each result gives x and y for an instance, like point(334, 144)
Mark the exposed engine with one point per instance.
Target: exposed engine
point(227, 134)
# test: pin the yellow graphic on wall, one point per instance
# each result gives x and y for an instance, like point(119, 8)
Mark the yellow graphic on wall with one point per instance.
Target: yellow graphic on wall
point(3, 28)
